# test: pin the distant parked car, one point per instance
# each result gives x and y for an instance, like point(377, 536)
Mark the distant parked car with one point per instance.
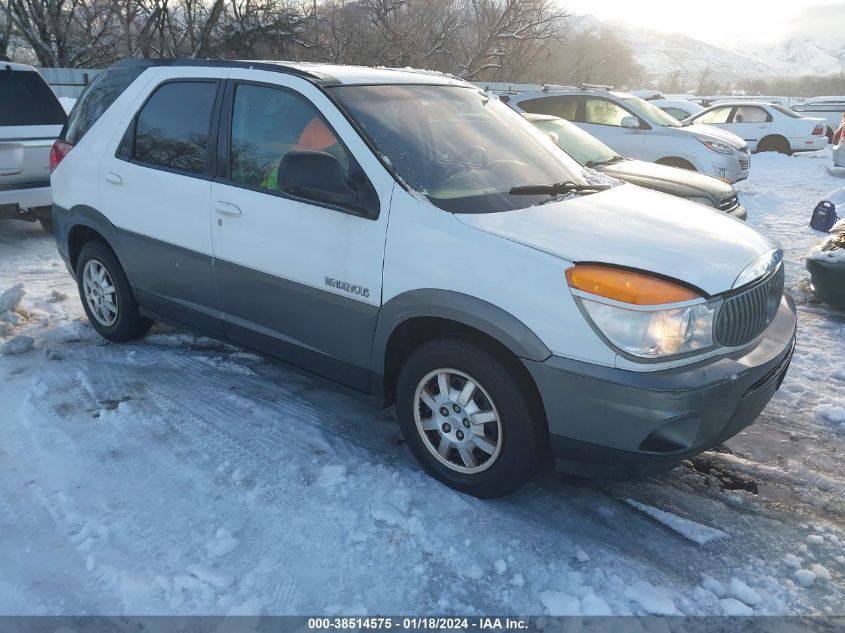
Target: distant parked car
point(31, 118)
point(679, 108)
point(839, 145)
point(592, 153)
point(637, 129)
point(831, 109)
point(766, 127)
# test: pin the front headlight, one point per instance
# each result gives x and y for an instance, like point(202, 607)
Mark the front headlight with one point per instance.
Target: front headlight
point(641, 315)
point(716, 146)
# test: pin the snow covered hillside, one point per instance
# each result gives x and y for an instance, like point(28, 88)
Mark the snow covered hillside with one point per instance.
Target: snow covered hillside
point(806, 50)
point(178, 475)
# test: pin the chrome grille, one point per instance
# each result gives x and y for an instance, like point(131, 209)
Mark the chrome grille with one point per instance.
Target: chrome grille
point(729, 204)
point(744, 316)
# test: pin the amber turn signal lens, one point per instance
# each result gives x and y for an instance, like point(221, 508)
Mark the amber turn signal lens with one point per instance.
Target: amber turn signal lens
point(626, 286)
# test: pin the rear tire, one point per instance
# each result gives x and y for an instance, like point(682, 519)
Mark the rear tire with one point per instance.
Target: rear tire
point(107, 296)
point(494, 430)
point(775, 144)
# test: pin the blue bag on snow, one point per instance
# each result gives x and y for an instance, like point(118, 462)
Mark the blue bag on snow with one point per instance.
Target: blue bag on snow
point(824, 216)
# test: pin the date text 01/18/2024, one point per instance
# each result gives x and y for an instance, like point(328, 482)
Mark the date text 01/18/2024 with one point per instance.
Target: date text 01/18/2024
point(417, 623)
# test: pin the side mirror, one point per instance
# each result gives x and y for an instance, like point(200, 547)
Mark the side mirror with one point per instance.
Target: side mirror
point(315, 176)
point(631, 122)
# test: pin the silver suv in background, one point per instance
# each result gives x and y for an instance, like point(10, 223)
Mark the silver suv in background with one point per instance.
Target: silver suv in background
point(637, 129)
point(31, 118)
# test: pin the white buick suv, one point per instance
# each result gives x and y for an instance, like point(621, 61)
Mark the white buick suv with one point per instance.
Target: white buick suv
point(408, 236)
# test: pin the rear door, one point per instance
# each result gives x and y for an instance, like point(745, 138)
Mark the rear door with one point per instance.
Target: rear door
point(156, 190)
point(751, 123)
point(298, 279)
point(31, 118)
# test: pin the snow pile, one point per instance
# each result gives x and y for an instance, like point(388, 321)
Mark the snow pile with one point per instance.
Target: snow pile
point(13, 315)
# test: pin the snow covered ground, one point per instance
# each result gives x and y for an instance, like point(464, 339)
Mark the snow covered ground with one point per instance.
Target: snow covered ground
point(177, 475)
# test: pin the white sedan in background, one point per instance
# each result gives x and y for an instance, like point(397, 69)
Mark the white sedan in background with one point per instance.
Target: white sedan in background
point(766, 127)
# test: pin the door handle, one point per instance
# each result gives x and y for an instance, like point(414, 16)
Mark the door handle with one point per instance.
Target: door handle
point(113, 178)
point(227, 208)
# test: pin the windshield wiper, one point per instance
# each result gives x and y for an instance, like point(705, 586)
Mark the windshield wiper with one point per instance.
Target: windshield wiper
point(595, 163)
point(556, 189)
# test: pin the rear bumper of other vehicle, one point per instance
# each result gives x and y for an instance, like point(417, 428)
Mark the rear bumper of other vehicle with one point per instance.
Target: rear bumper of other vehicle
point(611, 421)
point(808, 143)
point(19, 201)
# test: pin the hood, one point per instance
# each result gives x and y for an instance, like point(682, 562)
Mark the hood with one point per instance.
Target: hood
point(718, 134)
point(636, 228)
point(671, 180)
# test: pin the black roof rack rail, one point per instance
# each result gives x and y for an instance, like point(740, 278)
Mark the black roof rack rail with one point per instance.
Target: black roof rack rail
point(280, 67)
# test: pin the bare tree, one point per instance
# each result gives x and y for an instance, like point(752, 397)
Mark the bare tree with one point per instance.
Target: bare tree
point(66, 32)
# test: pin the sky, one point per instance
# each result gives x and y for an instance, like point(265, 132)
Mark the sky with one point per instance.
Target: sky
point(721, 22)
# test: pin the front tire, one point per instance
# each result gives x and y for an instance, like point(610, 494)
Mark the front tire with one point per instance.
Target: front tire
point(107, 296)
point(470, 418)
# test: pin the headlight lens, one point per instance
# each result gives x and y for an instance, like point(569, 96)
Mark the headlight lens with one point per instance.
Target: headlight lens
point(635, 314)
point(716, 146)
point(654, 333)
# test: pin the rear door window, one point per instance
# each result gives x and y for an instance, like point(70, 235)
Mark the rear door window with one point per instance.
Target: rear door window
point(173, 128)
point(563, 107)
point(751, 114)
point(26, 99)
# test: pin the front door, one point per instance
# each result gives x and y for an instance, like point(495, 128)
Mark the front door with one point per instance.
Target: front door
point(298, 279)
point(603, 119)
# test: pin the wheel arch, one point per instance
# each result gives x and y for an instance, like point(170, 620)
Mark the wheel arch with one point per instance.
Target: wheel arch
point(80, 224)
point(676, 161)
point(410, 319)
point(774, 140)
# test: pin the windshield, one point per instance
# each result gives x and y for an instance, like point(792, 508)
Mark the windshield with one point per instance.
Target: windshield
point(786, 111)
point(459, 147)
point(650, 112)
point(582, 146)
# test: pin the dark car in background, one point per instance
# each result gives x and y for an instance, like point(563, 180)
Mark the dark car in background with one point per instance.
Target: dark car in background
point(591, 152)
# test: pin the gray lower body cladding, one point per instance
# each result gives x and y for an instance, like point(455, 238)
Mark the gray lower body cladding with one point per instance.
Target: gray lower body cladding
point(611, 421)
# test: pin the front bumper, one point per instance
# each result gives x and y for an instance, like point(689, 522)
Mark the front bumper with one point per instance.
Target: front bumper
point(611, 421)
point(739, 212)
point(731, 168)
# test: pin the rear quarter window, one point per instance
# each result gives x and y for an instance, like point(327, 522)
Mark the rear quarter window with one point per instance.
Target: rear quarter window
point(98, 96)
point(27, 99)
